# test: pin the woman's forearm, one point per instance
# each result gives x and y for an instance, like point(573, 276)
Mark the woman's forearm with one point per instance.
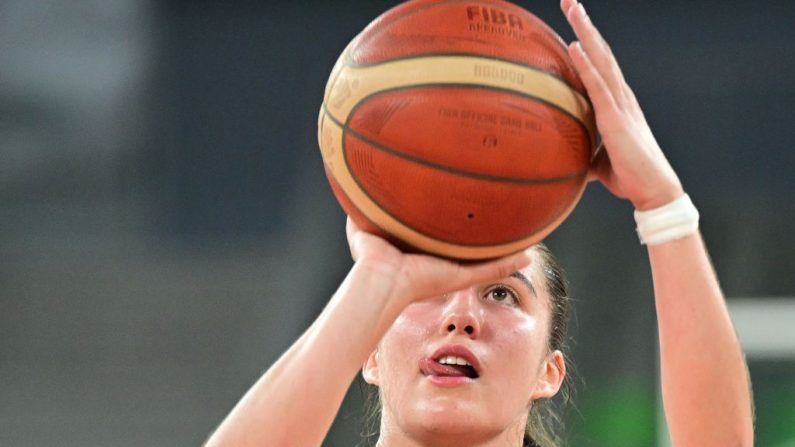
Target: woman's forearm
point(706, 390)
point(296, 400)
point(294, 403)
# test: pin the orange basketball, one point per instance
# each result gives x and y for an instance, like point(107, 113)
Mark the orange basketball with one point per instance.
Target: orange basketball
point(458, 128)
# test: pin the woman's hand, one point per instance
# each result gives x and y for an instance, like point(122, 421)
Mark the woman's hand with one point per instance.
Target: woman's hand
point(415, 276)
point(632, 166)
point(383, 282)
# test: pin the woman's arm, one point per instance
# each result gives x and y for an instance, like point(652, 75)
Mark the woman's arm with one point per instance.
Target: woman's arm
point(296, 400)
point(706, 391)
point(705, 386)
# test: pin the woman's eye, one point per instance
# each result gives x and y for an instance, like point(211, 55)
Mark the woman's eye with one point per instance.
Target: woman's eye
point(502, 295)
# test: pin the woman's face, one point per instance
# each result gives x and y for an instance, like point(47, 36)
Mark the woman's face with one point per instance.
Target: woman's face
point(501, 328)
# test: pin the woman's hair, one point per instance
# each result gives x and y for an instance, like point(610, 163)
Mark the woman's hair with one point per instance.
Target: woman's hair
point(544, 422)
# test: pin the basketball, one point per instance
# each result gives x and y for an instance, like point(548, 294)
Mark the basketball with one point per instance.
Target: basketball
point(457, 128)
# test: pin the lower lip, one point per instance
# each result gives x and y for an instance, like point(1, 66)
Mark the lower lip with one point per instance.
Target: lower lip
point(449, 381)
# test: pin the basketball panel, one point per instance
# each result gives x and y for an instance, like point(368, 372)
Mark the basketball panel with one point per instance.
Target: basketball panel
point(477, 130)
point(496, 30)
point(453, 208)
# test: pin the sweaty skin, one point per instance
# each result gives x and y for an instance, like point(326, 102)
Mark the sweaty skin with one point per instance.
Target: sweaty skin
point(705, 384)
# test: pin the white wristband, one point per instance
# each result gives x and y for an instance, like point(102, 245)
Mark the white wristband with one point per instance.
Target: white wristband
point(673, 220)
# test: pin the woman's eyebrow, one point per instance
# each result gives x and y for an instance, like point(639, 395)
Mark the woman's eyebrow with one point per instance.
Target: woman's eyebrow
point(521, 277)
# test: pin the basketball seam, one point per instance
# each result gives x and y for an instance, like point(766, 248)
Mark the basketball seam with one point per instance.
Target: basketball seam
point(460, 172)
point(351, 64)
point(398, 219)
point(371, 221)
point(348, 59)
point(411, 229)
point(476, 87)
point(579, 99)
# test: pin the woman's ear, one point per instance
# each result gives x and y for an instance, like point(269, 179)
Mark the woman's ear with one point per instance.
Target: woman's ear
point(551, 378)
point(370, 369)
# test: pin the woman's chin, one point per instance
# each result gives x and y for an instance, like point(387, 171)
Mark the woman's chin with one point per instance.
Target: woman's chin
point(451, 416)
point(446, 421)
point(453, 428)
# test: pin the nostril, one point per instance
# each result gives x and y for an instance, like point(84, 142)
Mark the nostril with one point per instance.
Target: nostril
point(451, 328)
point(469, 330)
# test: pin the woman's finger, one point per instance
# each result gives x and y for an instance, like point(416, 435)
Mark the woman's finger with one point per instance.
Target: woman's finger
point(425, 276)
point(598, 51)
point(467, 275)
point(566, 5)
point(597, 88)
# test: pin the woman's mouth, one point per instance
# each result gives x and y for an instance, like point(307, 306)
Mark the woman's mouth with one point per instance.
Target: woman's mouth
point(448, 366)
point(451, 365)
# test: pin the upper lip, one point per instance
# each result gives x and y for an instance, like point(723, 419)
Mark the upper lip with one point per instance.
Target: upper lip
point(458, 351)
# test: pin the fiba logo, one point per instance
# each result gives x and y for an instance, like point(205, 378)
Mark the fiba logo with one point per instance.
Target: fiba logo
point(493, 16)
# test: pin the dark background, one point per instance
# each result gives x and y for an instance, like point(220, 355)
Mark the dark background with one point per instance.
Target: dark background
point(166, 230)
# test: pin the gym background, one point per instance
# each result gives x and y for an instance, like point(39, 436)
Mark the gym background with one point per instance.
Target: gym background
point(166, 229)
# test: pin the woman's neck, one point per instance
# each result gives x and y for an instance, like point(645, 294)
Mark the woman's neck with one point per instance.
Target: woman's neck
point(395, 437)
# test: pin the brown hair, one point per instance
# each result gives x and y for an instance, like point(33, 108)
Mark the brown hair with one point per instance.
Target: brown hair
point(545, 419)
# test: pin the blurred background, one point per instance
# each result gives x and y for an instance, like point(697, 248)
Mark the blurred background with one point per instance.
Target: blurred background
point(166, 229)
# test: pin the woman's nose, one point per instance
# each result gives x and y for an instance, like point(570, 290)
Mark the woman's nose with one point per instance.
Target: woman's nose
point(462, 314)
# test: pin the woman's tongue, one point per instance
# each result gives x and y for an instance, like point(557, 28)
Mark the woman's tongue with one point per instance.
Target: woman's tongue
point(433, 368)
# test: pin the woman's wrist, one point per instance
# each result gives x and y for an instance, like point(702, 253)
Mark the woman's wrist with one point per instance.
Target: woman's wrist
point(674, 220)
point(380, 276)
point(358, 314)
point(666, 192)
point(377, 284)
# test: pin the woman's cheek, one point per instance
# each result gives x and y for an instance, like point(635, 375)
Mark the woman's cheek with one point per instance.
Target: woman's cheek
point(417, 322)
point(526, 325)
point(520, 339)
point(402, 344)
